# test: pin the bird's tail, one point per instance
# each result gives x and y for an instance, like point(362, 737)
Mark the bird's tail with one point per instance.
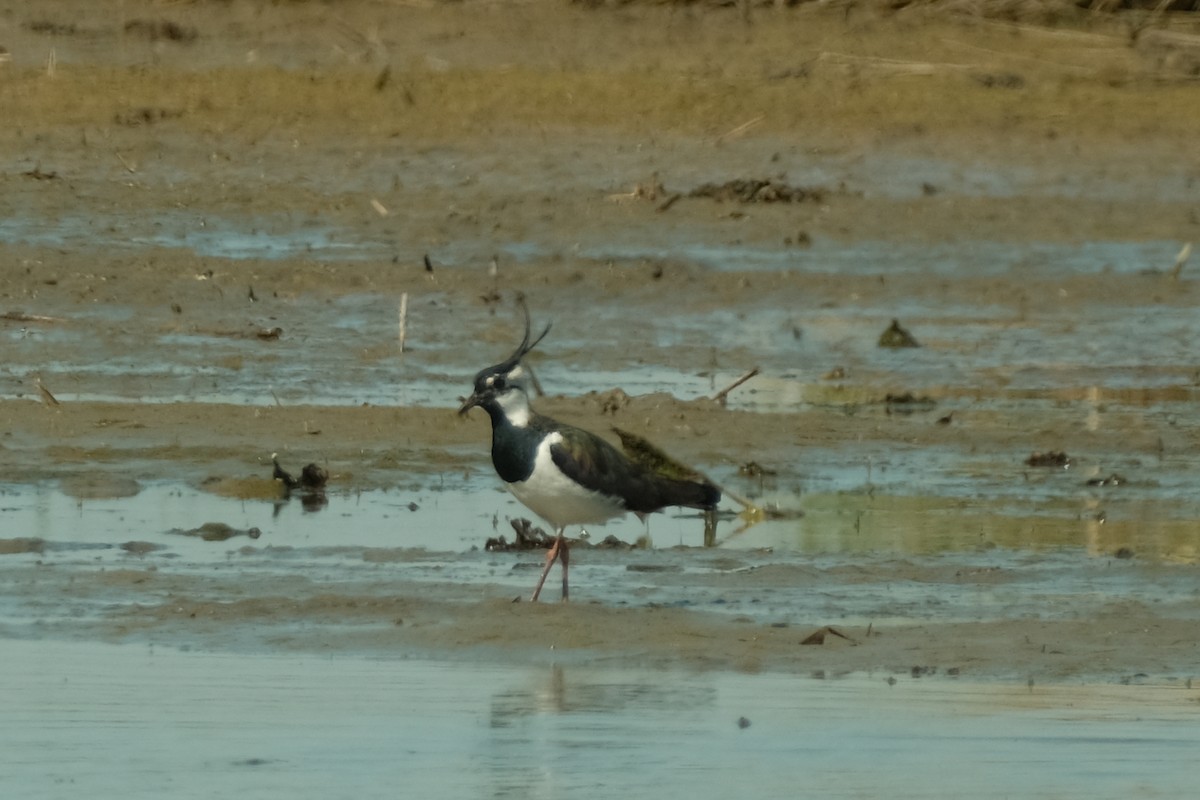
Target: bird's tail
point(676, 484)
point(689, 494)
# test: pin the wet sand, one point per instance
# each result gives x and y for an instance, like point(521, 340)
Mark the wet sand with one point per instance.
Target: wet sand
point(207, 240)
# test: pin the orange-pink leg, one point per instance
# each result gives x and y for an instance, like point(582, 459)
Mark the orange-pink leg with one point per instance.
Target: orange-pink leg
point(556, 551)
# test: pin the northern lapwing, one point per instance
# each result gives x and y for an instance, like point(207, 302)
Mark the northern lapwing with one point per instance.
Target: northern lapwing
point(566, 475)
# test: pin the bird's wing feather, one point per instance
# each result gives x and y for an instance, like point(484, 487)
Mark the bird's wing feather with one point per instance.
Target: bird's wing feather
point(595, 464)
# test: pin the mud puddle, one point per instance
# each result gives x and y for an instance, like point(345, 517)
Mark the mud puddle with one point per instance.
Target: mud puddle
point(134, 721)
point(179, 521)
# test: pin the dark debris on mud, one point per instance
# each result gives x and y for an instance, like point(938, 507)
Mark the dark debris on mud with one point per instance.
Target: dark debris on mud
point(161, 30)
point(736, 190)
point(756, 190)
point(310, 486)
point(1055, 459)
point(145, 115)
point(530, 537)
point(897, 336)
point(907, 403)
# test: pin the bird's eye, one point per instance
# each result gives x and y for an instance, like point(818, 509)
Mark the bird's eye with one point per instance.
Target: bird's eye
point(498, 383)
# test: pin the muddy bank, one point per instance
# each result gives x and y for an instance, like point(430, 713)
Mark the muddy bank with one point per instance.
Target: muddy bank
point(884, 621)
point(208, 221)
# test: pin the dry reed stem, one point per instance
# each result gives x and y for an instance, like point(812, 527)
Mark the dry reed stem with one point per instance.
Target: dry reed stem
point(47, 398)
point(740, 129)
point(891, 66)
point(1180, 260)
point(403, 319)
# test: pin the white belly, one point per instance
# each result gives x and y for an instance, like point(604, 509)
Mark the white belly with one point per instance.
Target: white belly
point(557, 499)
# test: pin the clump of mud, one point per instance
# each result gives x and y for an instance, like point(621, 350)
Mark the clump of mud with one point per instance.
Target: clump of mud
point(897, 336)
point(754, 190)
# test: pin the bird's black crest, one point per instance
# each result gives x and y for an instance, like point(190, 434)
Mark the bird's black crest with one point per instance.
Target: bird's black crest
point(522, 349)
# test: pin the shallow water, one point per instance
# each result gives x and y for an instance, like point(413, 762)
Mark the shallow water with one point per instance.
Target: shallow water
point(133, 721)
point(849, 557)
point(852, 500)
point(289, 236)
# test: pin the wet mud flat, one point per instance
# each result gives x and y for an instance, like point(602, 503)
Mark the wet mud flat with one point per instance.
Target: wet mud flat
point(207, 227)
point(881, 586)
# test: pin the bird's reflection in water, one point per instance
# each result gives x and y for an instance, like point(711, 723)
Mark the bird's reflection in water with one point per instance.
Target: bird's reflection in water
point(546, 734)
point(309, 501)
point(593, 694)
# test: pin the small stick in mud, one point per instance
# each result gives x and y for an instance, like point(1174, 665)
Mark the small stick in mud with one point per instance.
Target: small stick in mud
point(723, 395)
point(537, 385)
point(131, 169)
point(670, 201)
point(403, 319)
point(818, 636)
point(47, 397)
point(1180, 260)
point(492, 295)
point(21, 316)
point(740, 129)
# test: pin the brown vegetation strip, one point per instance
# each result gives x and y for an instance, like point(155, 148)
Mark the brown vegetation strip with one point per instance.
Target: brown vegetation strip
point(628, 101)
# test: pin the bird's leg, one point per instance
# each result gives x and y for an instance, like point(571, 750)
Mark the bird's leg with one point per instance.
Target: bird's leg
point(559, 547)
point(564, 555)
point(645, 540)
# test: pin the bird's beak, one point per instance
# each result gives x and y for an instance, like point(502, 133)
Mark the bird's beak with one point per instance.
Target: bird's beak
point(469, 403)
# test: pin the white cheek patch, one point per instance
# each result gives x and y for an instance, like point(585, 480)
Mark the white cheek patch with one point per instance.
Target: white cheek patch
point(515, 406)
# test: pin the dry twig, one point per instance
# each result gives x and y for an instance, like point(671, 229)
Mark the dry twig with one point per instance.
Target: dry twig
point(723, 395)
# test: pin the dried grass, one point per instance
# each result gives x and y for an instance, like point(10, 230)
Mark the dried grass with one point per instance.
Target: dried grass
point(808, 71)
point(848, 89)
